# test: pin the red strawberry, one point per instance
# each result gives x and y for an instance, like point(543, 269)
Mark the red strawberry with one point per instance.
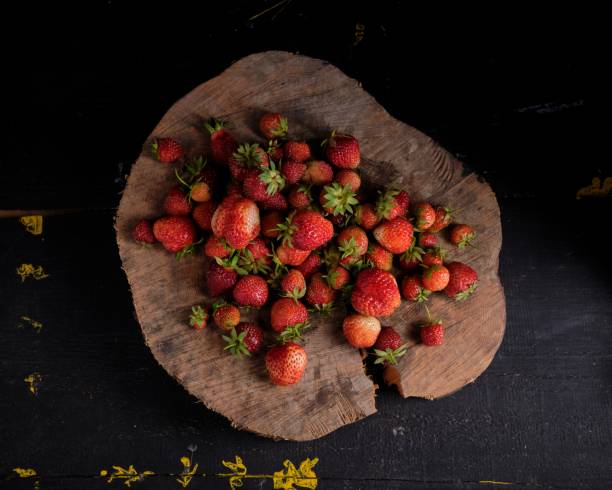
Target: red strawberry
point(342, 150)
point(433, 256)
point(375, 293)
point(276, 202)
point(299, 196)
point(338, 277)
point(202, 214)
point(298, 151)
point(226, 316)
point(175, 233)
point(143, 232)
point(352, 243)
point(318, 172)
point(286, 363)
point(388, 347)
point(262, 184)
point(293, 284)
point(237, 220)
point(337, 199)
point(216, 247)
point(291, 256)
point(361, 331)
point(273, 125)
point(245, 339)
point(251, 290)
point(220, 279)
point(256, 257)
point(424, 215)
point(463, 281)
point(198, 318)
point(311, 265)
point(293, 171)
point(395, 235)
point(462, 235)
point(413, 290)
point(176, 203)
point(435, 278)
point(432, 334)
point(274, 151)
point(366, 217)
point(411, 258)
point(348, 178)
point(319, 294)
point(443, 219)
point(309, 230)
point(167, 150)
point(392, 204)
point(427, 240)
point(245, 157)
point(269, 222)
point(379, 257)
point(222, 143)
point(287, 312)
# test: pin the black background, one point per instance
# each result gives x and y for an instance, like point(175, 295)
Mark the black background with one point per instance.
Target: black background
point(507, 92)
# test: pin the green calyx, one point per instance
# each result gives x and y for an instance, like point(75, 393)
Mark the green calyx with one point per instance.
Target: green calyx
point(413, 253)
point(296, 293)
point(349, 248)
point(286, 230)
point(331, 256)
point(248, 155)
point(198, 317)
point(233, 262)
point(282, 129)
point(213, 125)
point(293, 332)
point(467, 240)
point(422, 295)
point(359, 265)
point(188, 250)
point(339, 198)
point(251, 264)
point(389, 355)
point(327, 141)
point(279, 270)
point(155, 149)
point(324, 309)
point(386, 203)
point(463, 295)
point(235, 343)
point(272, 177)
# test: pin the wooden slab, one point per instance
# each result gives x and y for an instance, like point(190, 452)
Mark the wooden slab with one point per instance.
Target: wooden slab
point(335, 390)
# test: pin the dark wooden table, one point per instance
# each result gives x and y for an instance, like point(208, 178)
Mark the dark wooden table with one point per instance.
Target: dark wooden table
point(510, 102)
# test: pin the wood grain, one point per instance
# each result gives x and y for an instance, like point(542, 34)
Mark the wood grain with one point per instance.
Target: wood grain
point(335, 389)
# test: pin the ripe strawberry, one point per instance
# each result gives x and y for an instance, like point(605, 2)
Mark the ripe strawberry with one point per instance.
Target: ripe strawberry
point(200, 192)
point(348, 178)
point(273, 125)
point(299, 196)
point(276, 202)
point(311, 265)
point(463, 281)
point(222, 143)
point(338, 277)
point(198, 318)
point(237, 220)
point(226, 316)
point(319, 294)
point(366, 217)
point(251, 290)
point(379, 257)
point(395, 235)
point(269, 222)
point(318, 172)
point(432, 334)
point(246, 339)
point(167, 150)
point(435, 278)
point(375, 293)
point(427, 240)
point(256, 257)
point(342, 150)
point(262, 184)
point(288, 255)
point(286, 363)
point(443, 219)
point(175, 233)
point(298, 151)
point(274, 151)
point(176, 203)
point(143, 232)
point(234, 190)
point(352, 243)
point(287, 312)
point(413, 289)
point(361, 331)
point(411, 258)
point(392, 203)
point(293, 284)
point(293, 171)
point(308, 230)
point(424, 215)
point(462, 235)
point(245, 157)
point(216, 247)
point(388, 347)
point(202, 214)
point(337, 199)
point(220, 279)
point(433, 256)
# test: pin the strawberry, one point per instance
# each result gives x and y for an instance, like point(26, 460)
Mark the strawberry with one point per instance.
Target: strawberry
point(342, 150)
point(276, 202)
point(433, 256)
point(348, 178)
point(287, 312)
point(216, 247)
point(411, 258)
point(234, 190)
point(273, 125)
point(269, 222)
point(256, 257)
point(286, 363)
point(337, 199)
point(318, 172)
point(261, 184)
point(352, 243)
point(427, 240)
point(176, 203)
point(392, 203)
point(251, 290)
point(435, 278)
point(237, 220)
point(245, 339)
point(319, 294)
point(293, 284)
point(274, 151)
point(432, 334)
point(176, 233)
point(293, 171)
point(311, 264)
point(220, 279)
point(245, 157)
point(222, 143)
point(299, 196)
point(424, 215)
point(379, 257)
point(443, 219)
point(308, 230)
point(338, 277)
point(198, 318)
point(463, 281)
point(413, 289)
point(202, 214)
point(388, 347)
point(366, 217)
point(298, 151)
point(200, 192)
point(462, 235)
point(375, 293)
point(396, 235)
point(288, 255)
point(167, 150)
point(226, 316)
point(143, 232)
point(361, 331)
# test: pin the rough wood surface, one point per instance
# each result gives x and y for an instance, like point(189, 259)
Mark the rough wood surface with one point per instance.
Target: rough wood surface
point(335, 390)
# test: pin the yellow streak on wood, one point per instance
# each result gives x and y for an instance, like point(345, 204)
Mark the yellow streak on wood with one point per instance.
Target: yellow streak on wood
point(494, 482)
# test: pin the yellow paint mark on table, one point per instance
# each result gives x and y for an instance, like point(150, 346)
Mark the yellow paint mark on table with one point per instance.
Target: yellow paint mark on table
point(36, 325)
point(189, 469)
point(33, 224)
point(28, 270)
point(32, 380)
point(596, 189)
point(127, 476)
point(25, 472)
point(494, 482)
point(288, 478)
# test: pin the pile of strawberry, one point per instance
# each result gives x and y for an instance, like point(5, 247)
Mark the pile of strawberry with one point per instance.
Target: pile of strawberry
point(286, 226)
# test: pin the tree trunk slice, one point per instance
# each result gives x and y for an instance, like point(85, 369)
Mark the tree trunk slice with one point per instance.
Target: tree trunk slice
point(335, 389)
